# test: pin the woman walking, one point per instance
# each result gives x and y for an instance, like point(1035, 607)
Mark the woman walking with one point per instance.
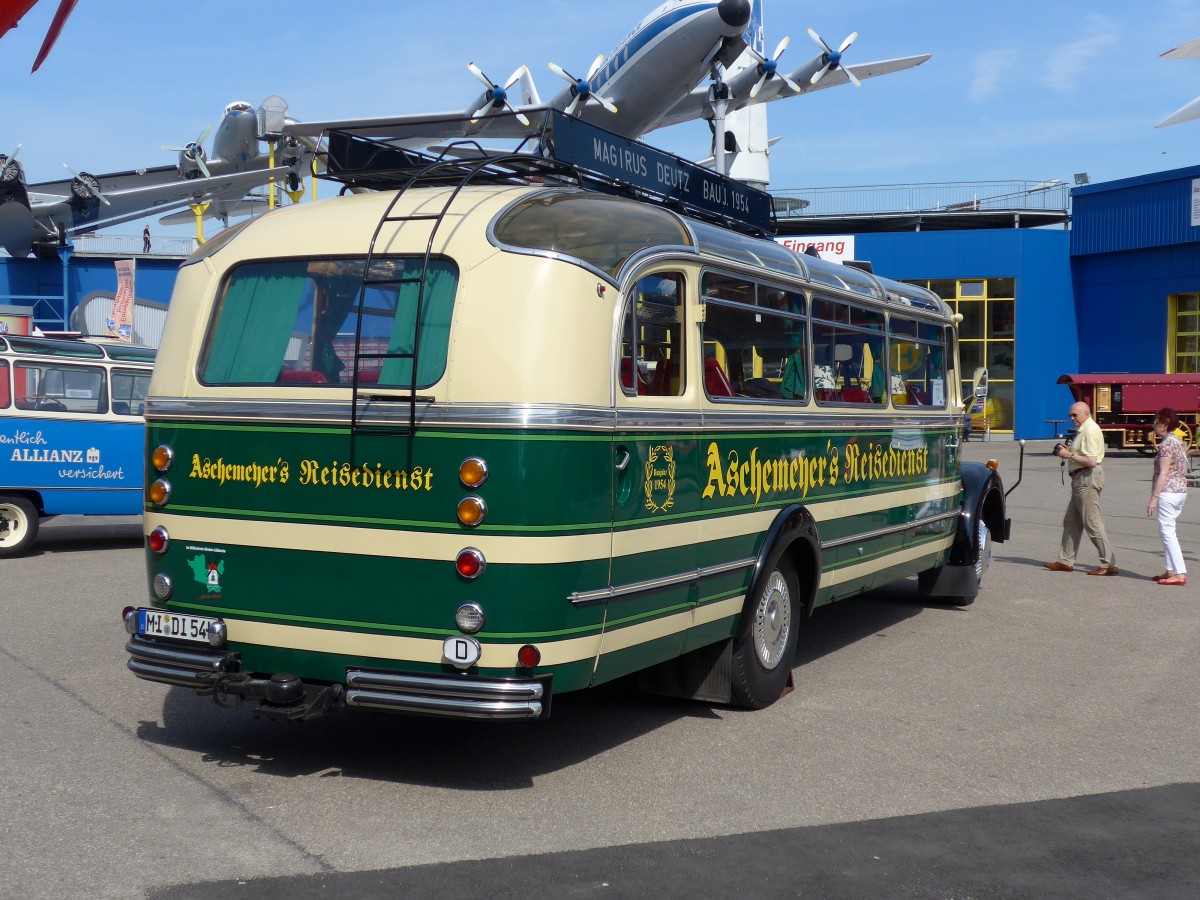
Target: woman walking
point(1168, 492)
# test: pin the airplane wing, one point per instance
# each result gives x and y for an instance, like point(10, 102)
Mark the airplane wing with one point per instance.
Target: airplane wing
point(1190, 50)
point(123, 206)
point(249, 205)
point(1189, 112)
point(695, 105)
point(421, 130)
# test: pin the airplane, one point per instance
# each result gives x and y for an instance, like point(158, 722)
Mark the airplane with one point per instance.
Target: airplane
point(84, 199)
point(649, 82)
point(29, 216)
point(1190, 50)
point(11, 12)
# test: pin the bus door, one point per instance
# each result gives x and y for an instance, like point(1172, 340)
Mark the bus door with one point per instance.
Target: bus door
point(654, 536)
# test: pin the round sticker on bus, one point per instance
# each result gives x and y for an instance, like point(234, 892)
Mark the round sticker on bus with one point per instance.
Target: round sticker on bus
point(461, 651)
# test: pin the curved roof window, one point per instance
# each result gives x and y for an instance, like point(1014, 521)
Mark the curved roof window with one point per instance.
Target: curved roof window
point(600, 231)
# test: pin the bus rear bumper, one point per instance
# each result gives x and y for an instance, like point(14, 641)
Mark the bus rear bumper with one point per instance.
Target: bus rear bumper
point(283, 696)
point(458, 698)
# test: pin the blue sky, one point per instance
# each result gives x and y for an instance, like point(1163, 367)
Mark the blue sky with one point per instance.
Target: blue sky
point(1015, 90)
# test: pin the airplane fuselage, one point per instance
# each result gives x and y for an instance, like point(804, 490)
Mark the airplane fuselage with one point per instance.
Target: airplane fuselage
point(641, 71)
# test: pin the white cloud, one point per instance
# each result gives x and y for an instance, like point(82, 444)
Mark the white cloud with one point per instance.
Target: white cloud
point(989, 69)
point(1067, 63)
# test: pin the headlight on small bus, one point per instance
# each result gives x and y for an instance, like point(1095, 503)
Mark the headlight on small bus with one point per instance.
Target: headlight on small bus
point(160, 492)
point(161, 457)
point(472, 510)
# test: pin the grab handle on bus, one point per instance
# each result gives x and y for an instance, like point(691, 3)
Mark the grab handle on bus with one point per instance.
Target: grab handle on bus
point(622, 459)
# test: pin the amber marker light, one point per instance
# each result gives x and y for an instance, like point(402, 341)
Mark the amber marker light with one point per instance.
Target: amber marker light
point(159, 540)
point(159, 492)
point(473, 472)
point(471, 510)
point(161, 457)
point(994, 465)
point(529, 656)
point(470, 563)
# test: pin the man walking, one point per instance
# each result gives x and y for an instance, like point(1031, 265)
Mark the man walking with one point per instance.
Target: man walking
point(1087, 481)
point(146, 239)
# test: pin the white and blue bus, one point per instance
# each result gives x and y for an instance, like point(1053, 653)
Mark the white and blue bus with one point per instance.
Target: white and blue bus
point(71, 431)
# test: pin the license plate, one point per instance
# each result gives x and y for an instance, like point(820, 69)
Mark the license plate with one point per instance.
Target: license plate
point(177, 626)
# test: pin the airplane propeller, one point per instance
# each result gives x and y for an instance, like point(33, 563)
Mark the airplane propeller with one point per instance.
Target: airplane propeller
point(833, 58)
point(10, 169)
point(582, 87)
point(496, 97)
point(770, 69)
point(195, 151)
point(86, 185)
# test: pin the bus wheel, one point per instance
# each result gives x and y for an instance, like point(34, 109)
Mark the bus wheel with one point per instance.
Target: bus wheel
point(765, 646)
point(983, 558)
point(18, 525)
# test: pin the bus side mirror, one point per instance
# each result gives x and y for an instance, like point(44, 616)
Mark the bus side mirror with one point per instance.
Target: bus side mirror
point(981, 384)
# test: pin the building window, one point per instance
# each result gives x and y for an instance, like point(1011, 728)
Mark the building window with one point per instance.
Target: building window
point(1183, 352)
point(987, 338)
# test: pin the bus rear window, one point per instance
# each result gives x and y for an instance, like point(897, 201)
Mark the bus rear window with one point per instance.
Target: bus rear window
point(297, 322)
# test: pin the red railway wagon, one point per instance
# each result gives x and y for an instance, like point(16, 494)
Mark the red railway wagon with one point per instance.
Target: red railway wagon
point(1124, 405)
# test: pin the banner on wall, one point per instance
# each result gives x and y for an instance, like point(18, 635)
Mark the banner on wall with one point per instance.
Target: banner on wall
point(16, 319)
point(1196, 202)
point(833, 247)
point(120, 323)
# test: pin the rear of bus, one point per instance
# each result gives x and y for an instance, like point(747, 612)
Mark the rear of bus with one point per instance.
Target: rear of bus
point(314, 546)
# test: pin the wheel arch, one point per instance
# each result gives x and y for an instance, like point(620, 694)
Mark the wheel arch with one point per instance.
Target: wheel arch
point(983, 498)
point(794, 533)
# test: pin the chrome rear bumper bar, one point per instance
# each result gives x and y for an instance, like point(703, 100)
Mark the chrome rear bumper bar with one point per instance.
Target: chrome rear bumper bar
point(458, 698)
point(185, 666)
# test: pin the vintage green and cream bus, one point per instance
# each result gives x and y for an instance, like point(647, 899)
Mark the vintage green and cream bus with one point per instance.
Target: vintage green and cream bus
point(457, 449)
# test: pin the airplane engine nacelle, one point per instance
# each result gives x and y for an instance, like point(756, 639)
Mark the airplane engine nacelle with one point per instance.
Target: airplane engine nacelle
point(10, 171)
point(189, 167)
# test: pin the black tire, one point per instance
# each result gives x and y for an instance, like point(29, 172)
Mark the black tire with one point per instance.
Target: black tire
point(18, 525)
point(983, 559)
point(764, 649)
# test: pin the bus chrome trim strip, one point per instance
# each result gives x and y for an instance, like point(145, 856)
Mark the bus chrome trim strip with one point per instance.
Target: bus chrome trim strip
point(526, 416)
point(891, 529)
point(867, 567)
point(638, 588)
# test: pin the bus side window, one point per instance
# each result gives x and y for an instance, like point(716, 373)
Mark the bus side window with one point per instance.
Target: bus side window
point(754, 349)
point(5, 394)
point(917, 357)
point(652, 349)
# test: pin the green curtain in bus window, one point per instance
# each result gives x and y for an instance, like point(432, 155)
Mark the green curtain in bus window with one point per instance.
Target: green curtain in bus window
point(441, 283)
point(257, 316)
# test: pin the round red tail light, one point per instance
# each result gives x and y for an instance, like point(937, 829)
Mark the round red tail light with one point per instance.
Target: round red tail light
point(529, 656)
point(159, 540)
point(470, 563)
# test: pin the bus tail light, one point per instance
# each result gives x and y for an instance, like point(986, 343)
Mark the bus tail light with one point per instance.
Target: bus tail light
point(470, 563)
point(162, 586)
point(473, 473)
point(159, 540)
point(529, 656)
point(159, 492)
point(161, 457)
point(472, 510)
point(470, 618)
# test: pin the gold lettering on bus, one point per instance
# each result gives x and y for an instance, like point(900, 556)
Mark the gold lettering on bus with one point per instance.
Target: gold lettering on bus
point(313, 473)
point(731, 475)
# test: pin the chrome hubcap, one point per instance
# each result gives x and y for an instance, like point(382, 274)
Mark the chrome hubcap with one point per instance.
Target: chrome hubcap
point(772, 622)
